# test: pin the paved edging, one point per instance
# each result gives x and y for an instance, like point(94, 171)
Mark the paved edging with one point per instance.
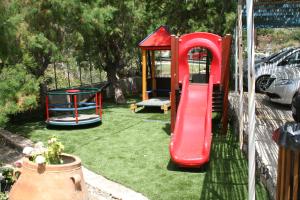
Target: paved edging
point(16, 141)
point(115, 190)
point(108, 189)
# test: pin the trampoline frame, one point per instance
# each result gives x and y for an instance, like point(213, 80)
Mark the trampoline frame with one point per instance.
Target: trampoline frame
point(74, 106)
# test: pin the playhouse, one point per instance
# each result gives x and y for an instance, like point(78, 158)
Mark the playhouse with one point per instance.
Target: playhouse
point(155, 90)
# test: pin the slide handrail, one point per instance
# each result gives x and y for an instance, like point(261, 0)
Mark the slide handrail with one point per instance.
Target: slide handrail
point(184, 93)
point(208, 117)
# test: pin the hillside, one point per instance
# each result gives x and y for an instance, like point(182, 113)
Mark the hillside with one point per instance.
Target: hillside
point(272, 40)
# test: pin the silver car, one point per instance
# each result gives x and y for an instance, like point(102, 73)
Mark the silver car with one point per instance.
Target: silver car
point(283, 84)
point(265, 67)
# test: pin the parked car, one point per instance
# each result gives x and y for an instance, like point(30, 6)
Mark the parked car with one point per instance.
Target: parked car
point(267, 66)
point(197, 54)
point(282, 86)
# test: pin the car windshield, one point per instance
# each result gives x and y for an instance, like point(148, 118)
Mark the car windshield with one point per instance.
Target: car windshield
point(276, 56)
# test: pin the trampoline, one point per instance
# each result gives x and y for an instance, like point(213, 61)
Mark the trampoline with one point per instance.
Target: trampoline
point(74, 107)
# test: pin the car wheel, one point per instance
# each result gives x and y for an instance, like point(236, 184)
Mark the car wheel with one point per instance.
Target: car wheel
point(262, 83)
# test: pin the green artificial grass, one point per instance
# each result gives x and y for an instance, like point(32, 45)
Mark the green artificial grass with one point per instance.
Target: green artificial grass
point(132, 149)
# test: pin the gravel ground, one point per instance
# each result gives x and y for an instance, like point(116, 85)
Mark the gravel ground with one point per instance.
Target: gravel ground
point(96, 194)
point(8, 155)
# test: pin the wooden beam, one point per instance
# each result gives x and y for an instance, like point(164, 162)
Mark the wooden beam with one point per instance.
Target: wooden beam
point(153, 69)
point(287, 171)
point(296, 175)
point(226, 46)
point(144, 74)
point(174, 79)
point(279, 172)
point(282, 174)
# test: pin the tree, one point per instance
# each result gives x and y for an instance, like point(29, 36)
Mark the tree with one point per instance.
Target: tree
point(19, 91)
point(18, 88)
point(33, 37)
point(106, 33)
point(111, 32)
point(193, 15)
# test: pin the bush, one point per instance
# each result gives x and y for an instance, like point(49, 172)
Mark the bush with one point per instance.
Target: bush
point(3, 196)
point(6, 178)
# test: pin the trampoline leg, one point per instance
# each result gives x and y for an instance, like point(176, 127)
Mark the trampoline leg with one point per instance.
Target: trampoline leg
point(100, 105)
point(75, 106)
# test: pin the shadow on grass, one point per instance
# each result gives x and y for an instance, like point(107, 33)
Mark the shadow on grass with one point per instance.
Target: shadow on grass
point(85, 126)
point(167, 128)
point(150, 110)
point(113, 105)
point(227, 177)
point(25, 128)
point(173, 167)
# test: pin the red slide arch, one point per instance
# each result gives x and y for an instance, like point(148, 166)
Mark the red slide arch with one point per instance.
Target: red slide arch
point(207, 40)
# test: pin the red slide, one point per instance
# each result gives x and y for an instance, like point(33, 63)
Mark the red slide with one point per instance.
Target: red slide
point(191, 140)
point(192, 135)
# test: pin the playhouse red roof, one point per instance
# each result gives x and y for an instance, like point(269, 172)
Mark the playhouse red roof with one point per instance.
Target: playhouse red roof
point(158, 40)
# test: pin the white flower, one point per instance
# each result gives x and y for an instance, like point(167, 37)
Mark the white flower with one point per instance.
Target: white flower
point(40, 159)
point(39, 145)
point(39, 151)
point(1, 177)
point(27, 151)
point(52, 140)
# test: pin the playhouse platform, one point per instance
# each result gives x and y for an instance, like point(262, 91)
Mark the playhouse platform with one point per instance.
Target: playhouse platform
point(269, 116)
point(163, 103)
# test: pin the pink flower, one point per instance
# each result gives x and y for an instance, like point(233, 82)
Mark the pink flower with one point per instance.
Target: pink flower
point(18, 163)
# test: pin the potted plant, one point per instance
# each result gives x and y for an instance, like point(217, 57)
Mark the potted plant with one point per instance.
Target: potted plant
point(6, 181)
point(48, 174)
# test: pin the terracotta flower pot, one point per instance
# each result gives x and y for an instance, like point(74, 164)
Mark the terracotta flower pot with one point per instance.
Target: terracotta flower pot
point(50, 182)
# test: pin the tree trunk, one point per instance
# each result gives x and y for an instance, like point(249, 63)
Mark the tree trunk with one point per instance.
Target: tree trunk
point(43, 91)
point(113, 79)
point(43, 86)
